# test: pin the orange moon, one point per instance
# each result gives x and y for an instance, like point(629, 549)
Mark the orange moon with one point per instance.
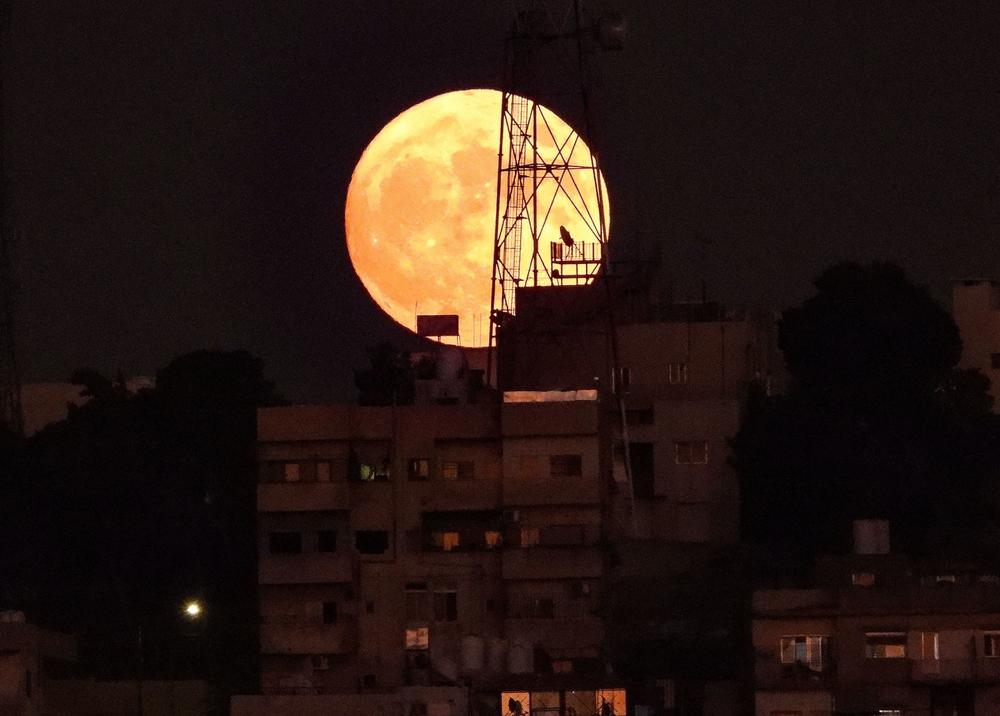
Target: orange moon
point(421, 207)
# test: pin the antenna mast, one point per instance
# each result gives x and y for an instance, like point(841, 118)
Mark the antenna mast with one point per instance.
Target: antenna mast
point(541, 163)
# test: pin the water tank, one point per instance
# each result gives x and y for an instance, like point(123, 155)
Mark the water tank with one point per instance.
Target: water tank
point(450, 363)
point(871, 536)
point(473, 654)
point(497, 660)
point(520, 658)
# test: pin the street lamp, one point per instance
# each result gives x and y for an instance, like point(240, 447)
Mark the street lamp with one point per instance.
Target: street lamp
point(193, 609)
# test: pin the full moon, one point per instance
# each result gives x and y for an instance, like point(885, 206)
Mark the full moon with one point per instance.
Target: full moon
point(421, 208)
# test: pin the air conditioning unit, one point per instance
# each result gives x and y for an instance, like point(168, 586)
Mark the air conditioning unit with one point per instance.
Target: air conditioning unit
point(511, 516)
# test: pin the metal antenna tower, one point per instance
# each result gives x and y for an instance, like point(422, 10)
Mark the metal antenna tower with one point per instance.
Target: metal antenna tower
point(11, 416)
point(541, 161)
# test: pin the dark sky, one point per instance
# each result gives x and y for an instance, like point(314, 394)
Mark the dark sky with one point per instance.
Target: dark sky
point(180, 168)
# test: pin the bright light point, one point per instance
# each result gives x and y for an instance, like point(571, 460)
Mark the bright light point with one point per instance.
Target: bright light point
point(192, 609)
point(426, 188)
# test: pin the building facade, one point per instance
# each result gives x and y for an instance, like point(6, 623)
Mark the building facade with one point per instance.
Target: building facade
point(472, 557)
point(976, 310)
point(878, 633)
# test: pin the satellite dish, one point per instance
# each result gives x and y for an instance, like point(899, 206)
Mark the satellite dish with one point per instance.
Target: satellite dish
point(565, 236)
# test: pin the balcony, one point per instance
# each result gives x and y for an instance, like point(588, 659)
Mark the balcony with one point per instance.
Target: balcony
point(981, 670)
point(308, 638)
point(303, 497)
point(770, 673)
point(552, 562)
point(314, 568)
point(445, 495)
point(576, 490)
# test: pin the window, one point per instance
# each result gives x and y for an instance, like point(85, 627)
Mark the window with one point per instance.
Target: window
point(329, 612)
point(417, 638)
point(369, 607)
point(885, 645)
point(677, 373)
point(929, 646)
point(368, 472)
point(562, 666)
point(541, 608)
point(991, 644)
point(293, 472)
point(640, 416)
point(995, 361)
point(493, 539)
point(890, 712)
point(285, 542)
point(691, 452)
point(863, 579)
point(945, 579)
point(371, 541)
point(417, 602)
point(368, 681)
point(802, 649)
point(565, 465)
point(326, 541)
point(450, 541)
point(322, 471)
point(529, 536)
point(643, 475)
point(445, 605)
point(419, 469)
point(621, 379)
point(457, 470)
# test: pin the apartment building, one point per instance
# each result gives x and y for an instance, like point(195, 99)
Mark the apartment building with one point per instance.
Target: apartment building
point(880, 633)
point(475, 554)
point(976, 310)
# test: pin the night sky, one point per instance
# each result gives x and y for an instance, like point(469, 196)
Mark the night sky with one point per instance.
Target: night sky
point(180, 168)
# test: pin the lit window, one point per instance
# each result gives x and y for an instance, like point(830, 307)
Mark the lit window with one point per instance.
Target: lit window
point(808, 650)
point(419, 469)
point(691, 452)
point(322, 472)
point(863, 579)
point(292, 472)
point(677, 373)
point(493, 539)
point(885, 645)
point(529, 536)
point(457, 470)
point(446, 541)
point(565, 465)
point(890, 712)
point(929, 646)
point(945, 579)
point(450, 541)
point(991, 644)
point(417, 638)
point(373, 473)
